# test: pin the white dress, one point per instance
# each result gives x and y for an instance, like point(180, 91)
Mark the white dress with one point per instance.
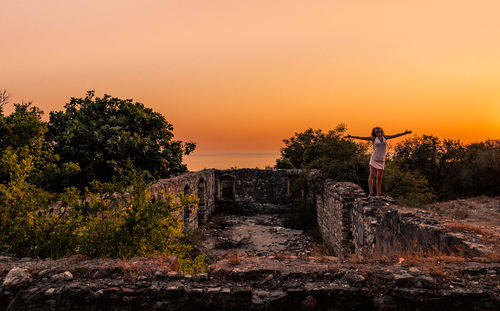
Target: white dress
point(377, 159)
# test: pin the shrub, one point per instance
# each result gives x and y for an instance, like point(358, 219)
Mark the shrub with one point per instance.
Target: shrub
point(406, 187)
point(119, 219)
point(102, 135)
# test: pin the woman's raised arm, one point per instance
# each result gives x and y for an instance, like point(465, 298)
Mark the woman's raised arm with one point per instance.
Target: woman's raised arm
point(359, 137)
point(397, 135)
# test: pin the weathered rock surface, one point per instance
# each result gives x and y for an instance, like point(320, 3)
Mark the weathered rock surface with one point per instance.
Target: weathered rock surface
point(234, 191)
point(257, 283)
point(351, 223)
point(259, 235)
point(17, 277)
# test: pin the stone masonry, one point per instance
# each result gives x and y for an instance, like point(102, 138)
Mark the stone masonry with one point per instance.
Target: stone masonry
point(334, 210)
point(247, 191)
point(351, 223)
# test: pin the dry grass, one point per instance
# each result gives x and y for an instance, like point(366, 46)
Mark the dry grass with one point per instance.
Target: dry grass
point(280, 255)
point(234, 258)
point(455, 226)
point(170, 263)
point(490, 257)
point(435, 270)
point(416, 256)
point(320, 250)
point(125, 267)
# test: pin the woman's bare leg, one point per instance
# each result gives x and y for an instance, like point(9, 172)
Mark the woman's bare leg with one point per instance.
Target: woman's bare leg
point(380, 173)
point(373, 172)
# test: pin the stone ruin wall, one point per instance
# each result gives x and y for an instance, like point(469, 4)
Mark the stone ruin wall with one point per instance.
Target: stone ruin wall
point(334, 207)
point(202, 184)
point(246, 191)
point(256, 191)
point(351, 223)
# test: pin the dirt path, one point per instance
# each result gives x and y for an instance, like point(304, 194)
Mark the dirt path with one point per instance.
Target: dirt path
point(260, 235)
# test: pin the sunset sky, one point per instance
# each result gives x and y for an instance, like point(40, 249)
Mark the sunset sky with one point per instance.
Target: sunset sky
point(237, 77)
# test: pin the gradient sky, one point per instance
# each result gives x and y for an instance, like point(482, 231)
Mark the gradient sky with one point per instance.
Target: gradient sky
point(238, 77)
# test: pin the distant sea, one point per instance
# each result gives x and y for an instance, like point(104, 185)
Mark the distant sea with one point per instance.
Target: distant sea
point(223, 160)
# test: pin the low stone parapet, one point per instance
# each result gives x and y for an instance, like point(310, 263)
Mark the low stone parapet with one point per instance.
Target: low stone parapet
point(256, 283)
point(353, 224)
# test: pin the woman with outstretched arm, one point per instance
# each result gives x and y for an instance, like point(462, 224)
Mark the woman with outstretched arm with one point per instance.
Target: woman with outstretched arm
point(377, 160)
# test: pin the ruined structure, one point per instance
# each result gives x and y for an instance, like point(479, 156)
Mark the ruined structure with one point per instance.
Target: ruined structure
point(351, 223)
point(244, 191)
point(273, 276)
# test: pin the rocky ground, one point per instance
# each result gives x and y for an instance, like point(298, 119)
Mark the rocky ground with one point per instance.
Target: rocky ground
point(257, 263)
point(254, 283)
point(259, 235)
point(478, 216)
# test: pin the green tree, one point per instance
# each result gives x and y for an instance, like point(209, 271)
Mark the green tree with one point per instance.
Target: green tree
point(103, 135)
point(345, 160)
point(478, 172)
point(22, 135)
point(407, 187)
point(452, 169)
point(336, 157)
point(422, 154)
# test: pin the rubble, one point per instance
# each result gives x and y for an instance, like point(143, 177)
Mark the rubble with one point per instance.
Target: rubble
point(257, 283)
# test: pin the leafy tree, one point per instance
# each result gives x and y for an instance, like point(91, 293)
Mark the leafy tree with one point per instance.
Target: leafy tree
point(336, 157)
point(452, 169)
point(479, 171)
point(103, 135)
point(296, 146)
point(344, 160)
point(423, 154)
point(22, 136)
point(284, 164)
point(407, 187)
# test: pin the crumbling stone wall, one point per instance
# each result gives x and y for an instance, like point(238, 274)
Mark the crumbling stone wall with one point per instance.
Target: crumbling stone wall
point(202, 184)
point(256, 191)
point(256, 283)
point(383, 228)
point(334, 207)
point(250, 191)
point(351, 223)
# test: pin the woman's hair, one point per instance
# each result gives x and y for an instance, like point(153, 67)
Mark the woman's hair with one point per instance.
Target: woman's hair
point(373, 131)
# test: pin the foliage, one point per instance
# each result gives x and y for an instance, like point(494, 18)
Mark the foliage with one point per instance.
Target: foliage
point(22, 133)
point(122, 222)
point(336, 157)
point(103, 135)
point(29, 225)
point(422, 168)
point(408, 188)
point(284, 164)
point(452, 169)
point(119, 219)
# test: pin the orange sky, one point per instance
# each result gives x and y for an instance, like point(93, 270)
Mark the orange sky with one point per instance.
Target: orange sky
point(239, 76)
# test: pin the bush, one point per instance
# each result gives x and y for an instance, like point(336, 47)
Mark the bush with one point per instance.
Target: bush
point(22, 133)
point(408, 188)
point(103, 135)
point(123, 222)
point(119, 219)
point(336, 157)
point(284, 164)
point(452, 169)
